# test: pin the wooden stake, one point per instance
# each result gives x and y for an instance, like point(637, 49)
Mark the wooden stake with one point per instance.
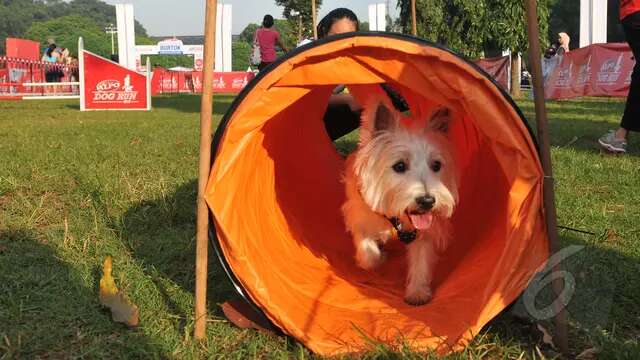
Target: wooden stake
point(206, 112)
point(313, 19)
point(414, 26)
point(561, 339)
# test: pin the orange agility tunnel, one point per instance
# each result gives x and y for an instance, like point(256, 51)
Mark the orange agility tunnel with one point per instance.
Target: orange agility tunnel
point(275, 192)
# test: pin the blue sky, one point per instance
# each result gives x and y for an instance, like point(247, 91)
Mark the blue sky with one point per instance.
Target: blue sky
point(186, 17)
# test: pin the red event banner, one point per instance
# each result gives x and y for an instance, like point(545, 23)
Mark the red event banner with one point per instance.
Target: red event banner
point(595, 70)
point(165, 81)
point(499, 69)
point(22, 49)
point(110, 86)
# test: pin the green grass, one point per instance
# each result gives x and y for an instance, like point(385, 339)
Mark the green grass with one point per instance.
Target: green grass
point(75, 187)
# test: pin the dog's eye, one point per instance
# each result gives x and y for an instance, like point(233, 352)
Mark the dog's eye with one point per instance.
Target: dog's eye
point(436, 166)
point(400, 167)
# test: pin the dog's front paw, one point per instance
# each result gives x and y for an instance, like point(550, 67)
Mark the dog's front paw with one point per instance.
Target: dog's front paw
point(417, 297)
point(369, 254)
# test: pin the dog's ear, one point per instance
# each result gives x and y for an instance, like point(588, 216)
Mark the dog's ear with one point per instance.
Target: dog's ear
point(383, 119)
point(440, 120)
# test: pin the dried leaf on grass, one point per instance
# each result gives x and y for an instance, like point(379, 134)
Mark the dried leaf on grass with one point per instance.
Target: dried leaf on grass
point(122, 310)
point(546, 336)
point(589, 354)
point(611, 235)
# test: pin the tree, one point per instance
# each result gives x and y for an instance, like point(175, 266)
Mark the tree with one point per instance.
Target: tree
point(247, 34)
point(66, 30)
point(241, 51)
point(509, 30)
point(565, 17)
point(457, 24)
point(474, 28)
point(303, 9)
point(16, 16)
point(288, 35)
point(102, 13)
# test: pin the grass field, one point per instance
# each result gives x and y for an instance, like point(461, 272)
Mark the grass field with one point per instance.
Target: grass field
point(75, 187)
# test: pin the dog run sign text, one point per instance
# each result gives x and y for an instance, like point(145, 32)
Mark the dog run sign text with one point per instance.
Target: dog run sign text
point(109, 86)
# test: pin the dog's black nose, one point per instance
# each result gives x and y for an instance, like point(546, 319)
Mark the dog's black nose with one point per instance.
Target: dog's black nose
point(425, 202)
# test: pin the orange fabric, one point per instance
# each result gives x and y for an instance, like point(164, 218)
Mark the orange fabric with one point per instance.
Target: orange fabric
point(275, 191)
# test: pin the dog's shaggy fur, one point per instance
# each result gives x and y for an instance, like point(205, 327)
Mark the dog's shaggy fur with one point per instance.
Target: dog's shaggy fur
point(403, 168)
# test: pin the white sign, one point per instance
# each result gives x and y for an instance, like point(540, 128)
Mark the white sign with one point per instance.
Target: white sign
point(171, 47)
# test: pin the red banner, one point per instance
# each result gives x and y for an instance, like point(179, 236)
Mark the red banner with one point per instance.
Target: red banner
point(23, 49)
point(14, 73)
point(165, 81)
point(499, 68)
point(5, 87)
point(109, 86)
point(595, 70)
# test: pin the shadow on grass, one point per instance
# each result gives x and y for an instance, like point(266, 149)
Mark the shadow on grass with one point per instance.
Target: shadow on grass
point(184, 103)
point(191, 103)
point(161, 235)
point(601, 301)
point(47, 312)
point(579, 123)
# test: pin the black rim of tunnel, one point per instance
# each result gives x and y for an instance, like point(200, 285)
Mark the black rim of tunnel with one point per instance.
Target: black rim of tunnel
point(217, 137)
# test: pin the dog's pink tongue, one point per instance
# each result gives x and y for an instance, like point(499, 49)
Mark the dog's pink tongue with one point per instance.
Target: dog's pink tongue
point(423, 221)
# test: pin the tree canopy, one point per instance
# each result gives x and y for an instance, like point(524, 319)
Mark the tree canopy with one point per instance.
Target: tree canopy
point(16, 16)
point(66, 30)
point(473, 27)
point(303, 9)
point(565, 17)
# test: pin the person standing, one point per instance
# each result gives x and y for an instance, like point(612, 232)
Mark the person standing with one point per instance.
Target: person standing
point(53, 73)
point(267, 37)
point(343, 112)
point(616, 140)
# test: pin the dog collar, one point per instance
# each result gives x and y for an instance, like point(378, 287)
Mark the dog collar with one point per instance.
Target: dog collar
point(405, 236)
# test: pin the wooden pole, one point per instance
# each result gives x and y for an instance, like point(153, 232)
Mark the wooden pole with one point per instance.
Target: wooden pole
point(561, 338)
point(414, 26)
point(206, 112)
point(313, 19)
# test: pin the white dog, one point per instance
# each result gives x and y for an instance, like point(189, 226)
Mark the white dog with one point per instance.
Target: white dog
point(401, 183)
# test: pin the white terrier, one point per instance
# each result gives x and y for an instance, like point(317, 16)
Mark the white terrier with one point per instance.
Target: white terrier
point(401, 183)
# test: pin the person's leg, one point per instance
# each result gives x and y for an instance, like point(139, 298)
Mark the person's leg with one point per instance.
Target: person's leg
point(631, 118)
point(339, 120)
point(49, 78)
point(616, 140)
